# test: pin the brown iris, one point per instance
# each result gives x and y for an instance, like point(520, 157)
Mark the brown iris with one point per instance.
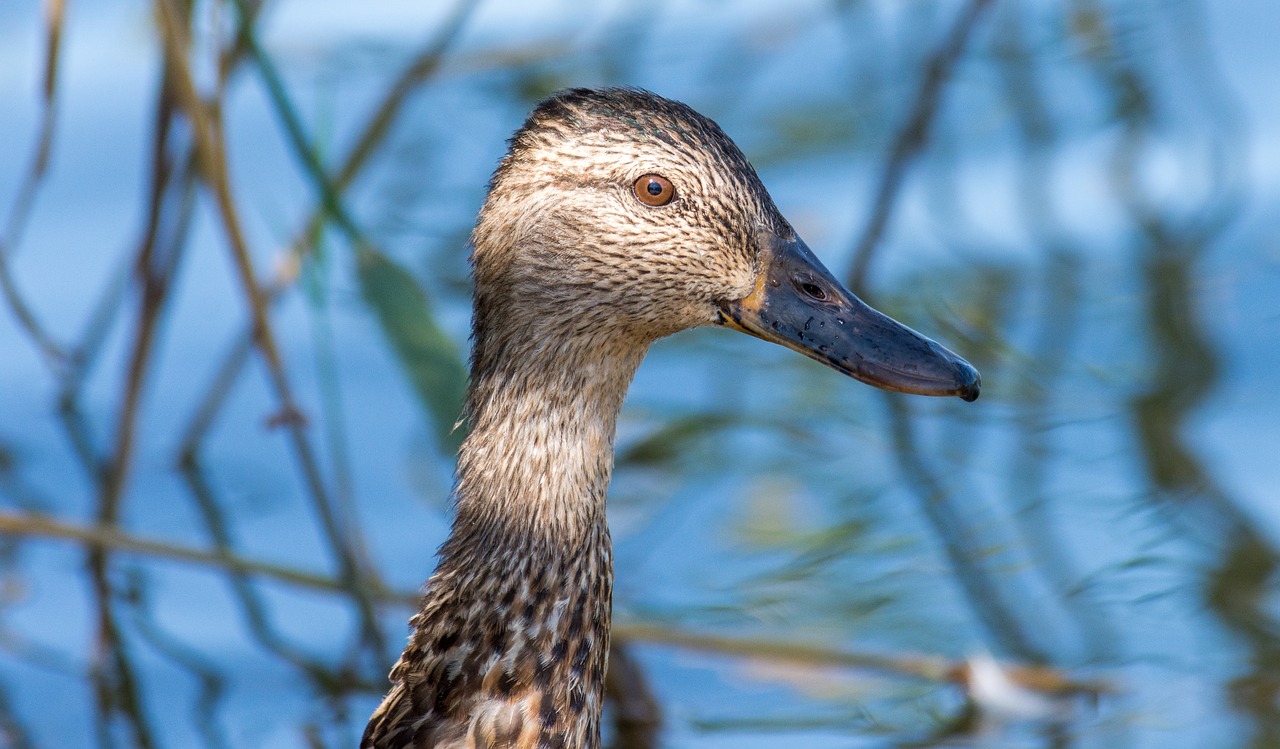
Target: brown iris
point(653, 189)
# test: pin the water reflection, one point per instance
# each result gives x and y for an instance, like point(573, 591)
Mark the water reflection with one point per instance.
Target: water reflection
point(222, 483)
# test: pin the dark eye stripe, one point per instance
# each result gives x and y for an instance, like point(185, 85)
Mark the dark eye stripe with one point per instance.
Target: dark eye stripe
point(654, 190)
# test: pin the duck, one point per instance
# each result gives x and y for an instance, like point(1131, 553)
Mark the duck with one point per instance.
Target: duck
point(617, 217)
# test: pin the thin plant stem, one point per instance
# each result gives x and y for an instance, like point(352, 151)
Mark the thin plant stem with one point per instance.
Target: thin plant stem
point(212, 160)
point(114, 539)
point(53, 352)
point(926, 667)
point(418, 71)
point(911, 139)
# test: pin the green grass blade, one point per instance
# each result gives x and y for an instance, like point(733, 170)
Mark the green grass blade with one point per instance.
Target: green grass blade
point(426, 354)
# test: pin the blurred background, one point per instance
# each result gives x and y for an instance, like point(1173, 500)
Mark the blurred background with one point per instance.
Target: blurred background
point(234, 309)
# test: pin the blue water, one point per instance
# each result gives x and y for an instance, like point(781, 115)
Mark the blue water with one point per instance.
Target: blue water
point(781, 513)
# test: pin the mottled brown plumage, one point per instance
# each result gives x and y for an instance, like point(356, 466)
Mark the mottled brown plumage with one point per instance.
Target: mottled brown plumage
point(574, 278)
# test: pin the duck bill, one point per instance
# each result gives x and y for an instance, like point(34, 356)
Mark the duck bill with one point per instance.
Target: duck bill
point(799, 304)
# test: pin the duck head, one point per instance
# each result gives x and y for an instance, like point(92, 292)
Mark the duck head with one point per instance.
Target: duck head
point(620, 215)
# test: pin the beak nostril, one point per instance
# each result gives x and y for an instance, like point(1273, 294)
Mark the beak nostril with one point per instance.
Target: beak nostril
point(813, 290)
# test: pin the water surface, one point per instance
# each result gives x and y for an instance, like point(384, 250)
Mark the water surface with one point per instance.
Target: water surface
point(1090, 221)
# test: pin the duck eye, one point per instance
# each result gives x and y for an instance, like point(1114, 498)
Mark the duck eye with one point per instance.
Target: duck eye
point(654, 190)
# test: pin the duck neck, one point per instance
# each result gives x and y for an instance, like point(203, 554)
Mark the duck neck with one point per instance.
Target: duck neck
point(543, 412)
point(513, 636)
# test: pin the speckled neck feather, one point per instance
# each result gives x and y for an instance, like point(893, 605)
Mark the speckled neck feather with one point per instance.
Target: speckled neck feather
point(510, 646)
point(574, 279)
